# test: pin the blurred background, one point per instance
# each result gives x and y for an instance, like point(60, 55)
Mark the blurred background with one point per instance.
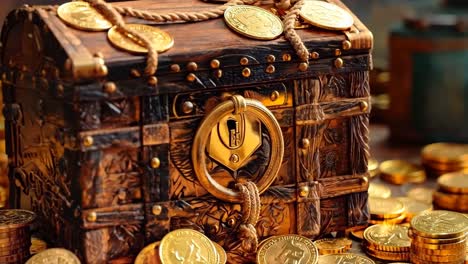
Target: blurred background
point(419, 82)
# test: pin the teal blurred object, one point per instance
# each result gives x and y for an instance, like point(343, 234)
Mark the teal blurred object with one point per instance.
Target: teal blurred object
point(429, 78)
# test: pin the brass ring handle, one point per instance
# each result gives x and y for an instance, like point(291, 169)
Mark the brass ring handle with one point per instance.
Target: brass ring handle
point(235, 105)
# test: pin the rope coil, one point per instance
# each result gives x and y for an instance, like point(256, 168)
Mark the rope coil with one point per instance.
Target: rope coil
point(114, 15)
point(251, 206)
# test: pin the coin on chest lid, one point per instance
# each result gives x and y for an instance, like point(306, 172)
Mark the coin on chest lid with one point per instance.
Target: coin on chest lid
point(253, 22)
point(160, 39)
point(82, 15)
point(325, 15)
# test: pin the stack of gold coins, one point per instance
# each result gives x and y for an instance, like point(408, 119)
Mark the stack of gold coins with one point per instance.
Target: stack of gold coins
point(401, 172)
point(15, 238)
point(386, 211)
point(438, 237)
point(192, 245)
point(414, 207)
point(387, 242)
point(453, 192)
point(441, 158)
point(327, 246)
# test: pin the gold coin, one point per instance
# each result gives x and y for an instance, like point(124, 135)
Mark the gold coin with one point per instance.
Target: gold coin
point(414, 207)
point(373, 167)
point(400, 171)
point(392, 256)
point(54, 255)
point(451, 246)
point(384, 208)
point(149, 254)
point(288, 249)
point(325, 15)
point(389, 221)
point(15, 218)
point(37, 245)
point(445, 152)
point(421, 194)
point(330, 246)
point(221, 252)
point(456, 201)
point(422, 249)
point(160, 39)
point(189, 245)
point(455, 182)
point(358, 234)
point(442, 258)
point(345, 258)
point(439, 224)
point(388, 237)
point(82, 15)
point(253, 22)
point(416, 260)
point(379, 190)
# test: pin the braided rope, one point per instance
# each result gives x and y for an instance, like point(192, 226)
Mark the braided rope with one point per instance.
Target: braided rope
point(291, 34)
point(250, 214)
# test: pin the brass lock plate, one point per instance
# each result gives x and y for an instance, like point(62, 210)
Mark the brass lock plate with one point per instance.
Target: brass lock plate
point(234, 139)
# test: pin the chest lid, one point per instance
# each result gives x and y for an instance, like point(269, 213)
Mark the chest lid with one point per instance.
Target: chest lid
point(206, 54)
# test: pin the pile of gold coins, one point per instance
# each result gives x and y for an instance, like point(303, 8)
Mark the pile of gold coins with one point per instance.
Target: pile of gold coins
point(386, 211)
point(438, 237)
point(387, 242)
point(401, 172)
point(15, 238)
point(453, 192)
point(441, 158)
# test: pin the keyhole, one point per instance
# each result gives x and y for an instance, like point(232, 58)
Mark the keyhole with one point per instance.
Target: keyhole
point(234, 137)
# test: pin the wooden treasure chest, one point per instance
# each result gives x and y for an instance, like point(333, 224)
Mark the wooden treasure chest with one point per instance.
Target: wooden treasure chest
point(112, 159)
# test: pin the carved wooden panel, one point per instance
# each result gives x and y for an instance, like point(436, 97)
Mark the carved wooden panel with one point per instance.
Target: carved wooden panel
point(110, 177)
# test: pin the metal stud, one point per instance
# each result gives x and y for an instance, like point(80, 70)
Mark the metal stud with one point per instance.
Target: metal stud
point(339, 63)
point(347, 45)
point(364, 180)
point(271, 58)
point(91, 217)
point(175, 68)
point(287, 57)
point(270, 69)
point(218, 73)
point(110, 87)
point(314, 55)
point(152, 80)
point(214, 64)
point(305, 143)
point(304, 191)
point(192, 66)
point(274, 96)
point(234, 158)
point(60, 89)
point(88, 141)
point(244, 61)
point(246, 72)
point(102, 70)
point(135, 73)
point(155, 163)
point(191, 77)
point(337, 52)
point(187, 107)
point(156, 209)
point(231, 222)
point(303, 66)
point(364, 105)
